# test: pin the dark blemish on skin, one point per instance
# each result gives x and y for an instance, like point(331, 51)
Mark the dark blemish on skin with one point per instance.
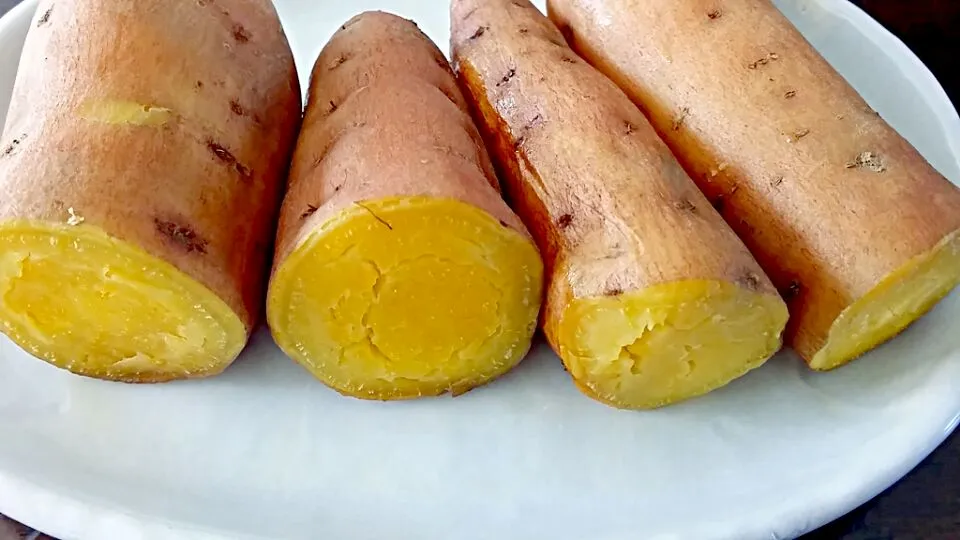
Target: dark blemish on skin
point(542, 78)
point(236, 108)
point(311, 210)
point(714, 14)
point(790, 94)
point(772, 57)
point(792, 291)
point(14, 144)
point(240, 34)
point(199, 85)
point(228, 158)
point(681, 118)
point(45, 18)
point(568, 59)
point(182, 236)
point(565, 221)
point(375, 216)
point(616, 291)
point(629, 127)
point(524, 30)
point(517, 144)
point(337, 188)
point(686, 206)
point(749, 281)
point(506, 78)
point(480, 31)
point(333, 108)
point(777, 181)
point(339, 61)
point(469, 14)
point(504, 224)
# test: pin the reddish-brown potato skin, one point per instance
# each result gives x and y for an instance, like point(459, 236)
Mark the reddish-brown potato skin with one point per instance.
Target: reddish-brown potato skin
point(609, 206)
point(772, 134)
point(384, 118)
point(201, 191)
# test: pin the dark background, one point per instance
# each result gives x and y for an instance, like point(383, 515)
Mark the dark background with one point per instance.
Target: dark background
point(926, 504)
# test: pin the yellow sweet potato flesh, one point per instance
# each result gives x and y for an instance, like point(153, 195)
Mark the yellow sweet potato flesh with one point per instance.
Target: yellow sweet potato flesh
point(407, 297)
point(668, 343)
point(87, 302)
point(891, 306)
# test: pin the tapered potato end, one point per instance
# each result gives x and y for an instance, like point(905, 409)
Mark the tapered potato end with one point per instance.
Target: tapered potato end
point(668, 343)
point(899, 300)
point(407, 297)
point(100, 307)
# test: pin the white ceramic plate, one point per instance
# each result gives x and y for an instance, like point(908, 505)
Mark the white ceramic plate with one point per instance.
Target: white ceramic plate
point(264, 451)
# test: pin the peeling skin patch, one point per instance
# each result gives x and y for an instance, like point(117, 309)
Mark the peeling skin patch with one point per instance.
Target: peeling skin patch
point(375, 216)
point(565, 221)
point(771, 57)
point(681, 118)
point(45, 18)
point(180, 235)
point(240, 34)
point(228, 158)
point(74, 219)
point(339, 61)
point(868, 161)
point(311, 210)
point(120, 112)
point(799, 134)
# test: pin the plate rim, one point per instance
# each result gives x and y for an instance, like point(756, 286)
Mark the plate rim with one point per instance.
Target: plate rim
point(67, 516)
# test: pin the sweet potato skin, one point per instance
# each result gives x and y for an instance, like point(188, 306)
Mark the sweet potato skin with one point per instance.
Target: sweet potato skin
point(196, 179)
point(824, 192)
point(618, 213)
point(355, 130)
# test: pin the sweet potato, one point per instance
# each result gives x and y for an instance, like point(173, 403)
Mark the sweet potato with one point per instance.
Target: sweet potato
point(400, 270)
point(651, 298)
point(859, 233)
point(141, 166)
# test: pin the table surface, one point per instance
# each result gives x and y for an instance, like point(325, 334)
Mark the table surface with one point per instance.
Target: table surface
point(926, 504)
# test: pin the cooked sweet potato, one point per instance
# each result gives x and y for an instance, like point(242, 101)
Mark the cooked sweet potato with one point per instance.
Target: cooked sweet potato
point(651, 298)
point(400, 271)
point(141, 167)
point(858, 231)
